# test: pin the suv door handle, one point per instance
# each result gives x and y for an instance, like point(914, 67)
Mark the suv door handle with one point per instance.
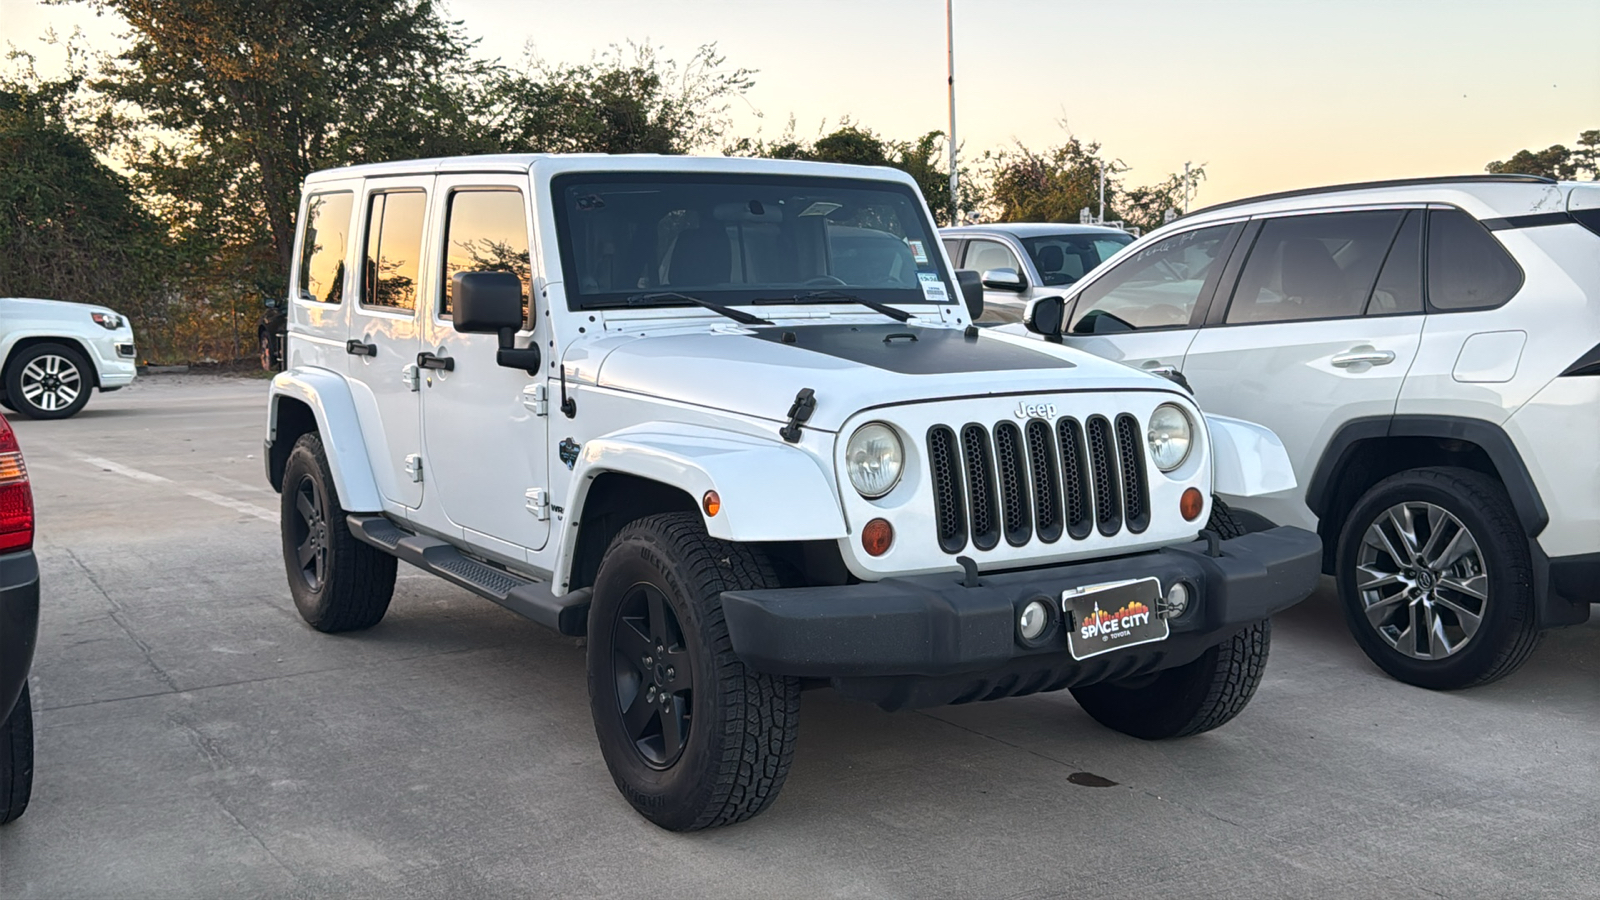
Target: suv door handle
point(356, 348)
point(429, 361)
point(1358, 355)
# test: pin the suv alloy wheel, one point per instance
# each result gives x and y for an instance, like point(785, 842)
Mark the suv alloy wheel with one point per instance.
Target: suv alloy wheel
point(48, 381)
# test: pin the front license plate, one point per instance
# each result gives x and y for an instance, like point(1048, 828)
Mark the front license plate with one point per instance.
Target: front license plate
point(1107, 617)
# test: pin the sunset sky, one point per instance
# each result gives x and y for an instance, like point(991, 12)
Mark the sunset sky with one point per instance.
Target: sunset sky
point(1268, 95)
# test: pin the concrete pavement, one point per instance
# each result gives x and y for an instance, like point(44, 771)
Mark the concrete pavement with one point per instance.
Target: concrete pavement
point(197, 740)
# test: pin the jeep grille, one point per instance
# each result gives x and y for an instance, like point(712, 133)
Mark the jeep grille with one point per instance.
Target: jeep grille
point(1037, 483)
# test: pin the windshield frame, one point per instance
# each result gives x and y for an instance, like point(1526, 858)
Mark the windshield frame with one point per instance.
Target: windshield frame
point(744, 296)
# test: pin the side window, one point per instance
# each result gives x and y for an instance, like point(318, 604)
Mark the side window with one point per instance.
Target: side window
point(1467, 267)
point(1313, 267)
point(953, 248)
point(486, 231)
point(1399, 288)
point(1157, 287)
point(394, 248)
point(323, 241)
point(986, 255)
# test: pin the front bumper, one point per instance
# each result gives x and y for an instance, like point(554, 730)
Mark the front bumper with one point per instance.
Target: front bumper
point(19, 623)
point(928, 640)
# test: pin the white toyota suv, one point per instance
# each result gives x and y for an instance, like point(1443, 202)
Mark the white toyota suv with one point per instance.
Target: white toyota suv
point(729, 419)
point(52, 353)
point(1429, 352)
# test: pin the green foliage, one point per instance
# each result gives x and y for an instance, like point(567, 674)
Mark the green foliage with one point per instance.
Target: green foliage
point(1056, 184)
point(1556, 161)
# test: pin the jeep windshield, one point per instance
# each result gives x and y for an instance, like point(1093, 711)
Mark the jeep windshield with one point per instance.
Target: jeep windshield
point(735, 239)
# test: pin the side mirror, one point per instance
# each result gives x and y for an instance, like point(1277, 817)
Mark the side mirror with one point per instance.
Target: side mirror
point(270, 302)
point(1004, 280)
point(971, 285)
point(491, 303)
point(1047, 316)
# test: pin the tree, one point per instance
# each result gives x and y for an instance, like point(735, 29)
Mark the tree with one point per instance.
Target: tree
point(1555, 161)
point(1055, 185)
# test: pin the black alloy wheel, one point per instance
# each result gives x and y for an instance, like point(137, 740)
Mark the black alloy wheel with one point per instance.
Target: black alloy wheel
point(310, 530)
point(654, 676)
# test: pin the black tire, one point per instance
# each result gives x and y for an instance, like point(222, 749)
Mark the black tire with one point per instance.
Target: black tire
point(1222, 521)
point(338, 583)
point(736, 728)
point(16, 759)
point(5, 401)
point(1189, 699)
point(1508, 630)
point(56, 376)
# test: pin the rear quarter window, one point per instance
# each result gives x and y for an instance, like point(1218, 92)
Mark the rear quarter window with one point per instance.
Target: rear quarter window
point(1467, 267)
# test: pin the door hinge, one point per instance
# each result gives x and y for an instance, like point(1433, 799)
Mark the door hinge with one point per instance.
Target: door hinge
point(536, 397)
point(538, 503)
point(408, 374)
point(414, 466)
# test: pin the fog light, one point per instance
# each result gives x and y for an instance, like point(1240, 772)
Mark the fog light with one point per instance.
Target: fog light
point(877, 536)
point(1191, 503)
point(1035, 619)
point(1177, 600)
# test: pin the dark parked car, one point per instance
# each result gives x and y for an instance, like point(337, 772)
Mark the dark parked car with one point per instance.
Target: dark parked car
point(270, 329)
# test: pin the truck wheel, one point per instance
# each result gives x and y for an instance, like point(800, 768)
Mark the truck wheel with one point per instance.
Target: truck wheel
point(693, 739)
point(48, 381)
point(338, 583)
point(1435, 579)
point(16, 759)
point(1189, 699)
point(1222, 521)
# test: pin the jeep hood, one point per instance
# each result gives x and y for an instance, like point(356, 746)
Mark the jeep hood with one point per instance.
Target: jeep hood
point(758, 371)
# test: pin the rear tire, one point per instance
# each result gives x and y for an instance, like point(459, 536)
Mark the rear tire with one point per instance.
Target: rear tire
point(338, 583)
point(48, 381)
point(1189, 699)
point(16, 759)
point(693, 739)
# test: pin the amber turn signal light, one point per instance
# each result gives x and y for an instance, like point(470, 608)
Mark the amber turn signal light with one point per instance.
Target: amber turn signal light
point(1191, 503)
point(877, 536)
point(711, 503)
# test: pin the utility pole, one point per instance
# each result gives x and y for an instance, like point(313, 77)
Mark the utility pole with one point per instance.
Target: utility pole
point(1102, 218)
point(1186, 189)
point(950, 50)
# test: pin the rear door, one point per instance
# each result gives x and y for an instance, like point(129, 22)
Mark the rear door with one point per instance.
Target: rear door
point(1319, 328)
point(999, 306)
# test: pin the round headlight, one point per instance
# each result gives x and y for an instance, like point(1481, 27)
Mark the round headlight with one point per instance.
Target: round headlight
point(1170, 436)
point(874, 459)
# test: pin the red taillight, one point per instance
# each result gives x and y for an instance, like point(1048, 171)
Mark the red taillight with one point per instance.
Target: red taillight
point(16, 499)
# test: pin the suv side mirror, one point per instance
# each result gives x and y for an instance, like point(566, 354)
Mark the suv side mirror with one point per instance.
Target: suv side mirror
point(269, 301)
point(1004, 280)
point(491, 303)
point(1047, 316)
point(971, 285)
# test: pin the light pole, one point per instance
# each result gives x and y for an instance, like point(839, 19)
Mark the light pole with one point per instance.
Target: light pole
point(950, 50)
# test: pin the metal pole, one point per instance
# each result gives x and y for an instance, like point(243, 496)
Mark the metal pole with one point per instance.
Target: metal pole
point(1185, 188)
point(950, 50)
point(1102, 193)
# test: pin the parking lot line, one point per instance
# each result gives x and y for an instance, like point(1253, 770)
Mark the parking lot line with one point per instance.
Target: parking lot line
point(239, 506)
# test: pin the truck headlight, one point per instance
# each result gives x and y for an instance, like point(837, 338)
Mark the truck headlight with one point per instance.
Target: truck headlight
point(108, 321)
point(874, 459)
point(1170, 436)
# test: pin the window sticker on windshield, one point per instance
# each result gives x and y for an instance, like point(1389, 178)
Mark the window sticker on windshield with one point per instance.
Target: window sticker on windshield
point(932, 287)
point(918, 252)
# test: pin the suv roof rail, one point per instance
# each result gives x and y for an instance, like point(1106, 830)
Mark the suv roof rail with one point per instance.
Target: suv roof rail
point(1507, 178)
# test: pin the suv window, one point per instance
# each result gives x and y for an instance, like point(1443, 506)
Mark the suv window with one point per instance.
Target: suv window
point(1313, 267)
point(486, 231)
point(1399, 288)
point(1065, 258)
point(1467, 267)
point(394, 247)
point(985, 255)
point(1156, 287)
point(322, 246)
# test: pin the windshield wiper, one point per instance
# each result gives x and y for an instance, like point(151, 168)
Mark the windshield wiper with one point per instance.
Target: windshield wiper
point(809, 297)
point(654, 298)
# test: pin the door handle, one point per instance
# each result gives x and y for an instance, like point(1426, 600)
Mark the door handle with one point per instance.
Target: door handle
point(356, 348)
point(1358, 355)
point(429, 361)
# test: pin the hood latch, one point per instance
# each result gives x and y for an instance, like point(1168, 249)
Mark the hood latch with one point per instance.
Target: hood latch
point(805, 403)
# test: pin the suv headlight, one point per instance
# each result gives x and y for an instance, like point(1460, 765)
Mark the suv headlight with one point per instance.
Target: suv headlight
point(874, 459)
point(1170, 436)
point(108, 321)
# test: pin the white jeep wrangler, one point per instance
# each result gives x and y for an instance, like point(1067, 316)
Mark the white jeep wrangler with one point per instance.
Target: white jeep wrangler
point(729, 419)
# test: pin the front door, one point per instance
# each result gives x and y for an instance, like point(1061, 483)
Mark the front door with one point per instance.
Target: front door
point(1320, 329)
point(486, 445)
point(385, 332)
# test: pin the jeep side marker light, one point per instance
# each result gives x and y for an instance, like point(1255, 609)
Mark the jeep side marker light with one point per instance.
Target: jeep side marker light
point(1190, 504)
point(877, 536)
point(711, 503)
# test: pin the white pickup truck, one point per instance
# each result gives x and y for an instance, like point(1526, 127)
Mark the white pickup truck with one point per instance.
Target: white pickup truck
point(52, 353)
point(730, 419)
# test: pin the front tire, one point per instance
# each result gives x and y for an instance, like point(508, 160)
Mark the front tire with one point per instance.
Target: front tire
point(1436, 580)
point(1190, 699)
point(338, 583)
point(693, 739)
point(48, 381)
point(16, 759)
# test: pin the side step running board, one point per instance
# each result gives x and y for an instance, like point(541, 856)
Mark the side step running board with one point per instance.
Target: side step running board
point(568, 614)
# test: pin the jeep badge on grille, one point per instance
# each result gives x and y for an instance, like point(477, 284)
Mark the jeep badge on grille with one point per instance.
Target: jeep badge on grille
point(1036, 410)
